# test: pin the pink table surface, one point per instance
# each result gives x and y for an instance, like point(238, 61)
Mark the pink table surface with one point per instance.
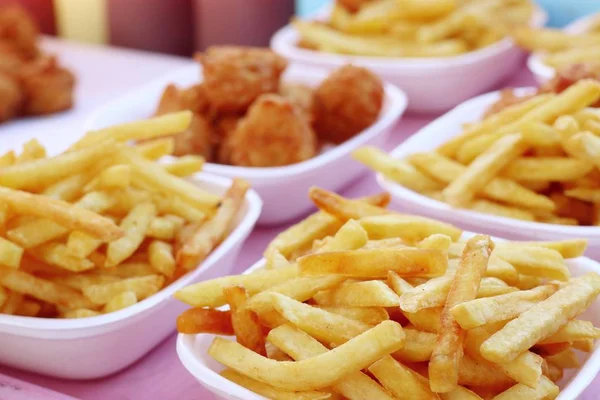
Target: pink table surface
point(160, 375)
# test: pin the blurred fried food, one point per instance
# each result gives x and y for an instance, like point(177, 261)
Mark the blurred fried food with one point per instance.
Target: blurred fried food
point(273, 133)
point(236, 76)
point(32, 83)
point(302, 96)
point(347, 102)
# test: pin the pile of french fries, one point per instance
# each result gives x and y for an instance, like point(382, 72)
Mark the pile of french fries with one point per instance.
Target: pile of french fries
point(360, 302)
point(103, 226)
point(414, 28)
point(562, 49)
point(535, 161)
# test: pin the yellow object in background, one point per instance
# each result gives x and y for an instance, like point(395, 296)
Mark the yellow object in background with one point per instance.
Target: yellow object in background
point(82, 20)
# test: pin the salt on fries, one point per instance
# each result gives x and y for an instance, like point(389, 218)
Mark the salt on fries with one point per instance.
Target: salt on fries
point(535, 161)
point(101, 226)
point(427, 313)
point(392, 28)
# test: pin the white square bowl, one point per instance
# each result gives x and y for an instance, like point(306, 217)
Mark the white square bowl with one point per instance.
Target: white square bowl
point(438, 132)
point(94, 347)
point(432, 84)
point(192, 351)
point(543, 72)
point(282, 189)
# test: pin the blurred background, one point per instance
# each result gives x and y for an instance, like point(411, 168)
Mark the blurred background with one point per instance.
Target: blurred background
point(184, 26)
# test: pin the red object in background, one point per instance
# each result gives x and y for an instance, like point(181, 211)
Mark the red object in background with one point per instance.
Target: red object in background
point(241, 22)
point(41, 10)
point(154, 25)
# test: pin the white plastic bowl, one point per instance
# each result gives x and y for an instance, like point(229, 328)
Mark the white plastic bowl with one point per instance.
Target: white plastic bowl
point(192, 351)
point(432, 84)
point(543, 72)
point(94, 347)
point(438, 132)
point(282, 189)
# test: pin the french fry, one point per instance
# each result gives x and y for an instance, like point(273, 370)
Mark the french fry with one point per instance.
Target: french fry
point(211, 233)
point(359, 294)
point(43, 172)
point(551, 40)
point(80, 313)
point(32, 150)
point(42, 289)
point(120, 301)
point(164, 125)
point(553, 372)
point(400, 380)
point(586, 345)
point(426, 319)
point(418, 346)
point(127, 270)
point(573, 331)
point(61, 212)
point(408, 262)
point(527, 329)
point(160, 255)
point(114, 177)
point(12, 303)
point(478, 312)
point(186, 165)
point(342, 208)
point(301, 346)
point(535, 261)
point(69, 188)
point(81, 244)
point(570, 248)
point(210, 293)
point(476, 373)
point(397, 170)
point(8, 158)
point(28, 309)
point(245, 322)
point(271, 392)
point(565, 359)
point(545, 389)
point(315, 372)
point(58, 255)
point(483, 169)
point(157, 148)
point(557, 169)
point(80, 281)
point(135, 225)
point(446, 357)
point(205, 320)
point(10, 254)
point(143, 287)
point(431, 294)
point(411, 229)
point(276, 260)
point(366, 315)
point(397, 284)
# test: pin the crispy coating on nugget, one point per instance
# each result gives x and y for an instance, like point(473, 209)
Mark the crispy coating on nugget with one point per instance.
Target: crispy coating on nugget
point(47, 87)
point(17, 27)
point(11, 98)
point(236, 76)
point(11, 59)
point(197, 139)
point(301, 96)
point(347, 102)
point(274, 133)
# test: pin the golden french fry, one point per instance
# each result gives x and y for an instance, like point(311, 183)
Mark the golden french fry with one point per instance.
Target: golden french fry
point(157, 148)
point(211, 233)
point(359, 294)
point(210, 293)
point(42, 289)
point(114, 177)
point(405, 262)
point(566, 359)
point(586, 345)
point(409, 228)
point(186, 165)
point(80, 281)
point(164, 125)
point(397, 284)
point(32, 150)
point(81, 244)
point(8, 158)
point(315, 372)
point(526, 330)
point(143, 287)
point(558, 169)
point(545, 389)
point(426, 319)
point(437, 241)
point(69, 188)
point(573, 331)
point(80, 313)
point(127, 270)
point(10, 254)
point(446, 357)
point(397, 170)
point(342, 208)
point(160, 255)
point(570, 248)
point(269, 391)
point(12, 303)
point(430, 294)
point(488, 207)
point(246, 326)
point(135, 225)
point(276, 260)
point(205, 320)
point(478, 312)
point(483, 169)
point(418, 346)
point(535, 261)
point(61, 212)
point(400, 380)
point(58, 255)
point(366, 315)
point(120, 301)
point(301, 346)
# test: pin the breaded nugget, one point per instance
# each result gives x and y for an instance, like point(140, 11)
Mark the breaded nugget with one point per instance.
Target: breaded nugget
point(301, 96)
point(198, 138)
point(17, 27)
point(347, 102)
point(47, 87)
point(235, 76)
point(11, 98)
point(11, 59)
point(274, 133)
point(224, 126)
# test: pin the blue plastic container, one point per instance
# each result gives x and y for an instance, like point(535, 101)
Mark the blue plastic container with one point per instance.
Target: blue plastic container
point(562, 12)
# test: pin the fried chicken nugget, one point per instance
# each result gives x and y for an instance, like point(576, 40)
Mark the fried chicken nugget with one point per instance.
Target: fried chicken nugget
point(236, 76)
point(11, 98)
point(197, 138)
point(17, 27)
point(301, 96)
point(273, 133)
point(11, 59)
point(347, 102)
point(48, 88)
